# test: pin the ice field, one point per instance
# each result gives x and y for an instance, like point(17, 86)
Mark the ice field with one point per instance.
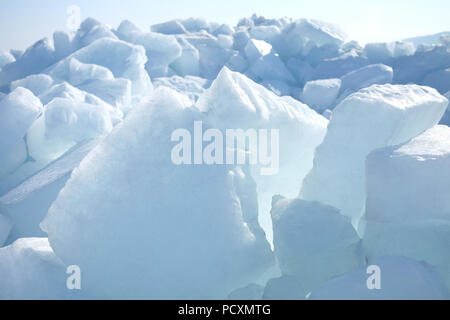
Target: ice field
point(355, 174)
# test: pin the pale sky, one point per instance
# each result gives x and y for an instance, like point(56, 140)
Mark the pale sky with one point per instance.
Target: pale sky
point(23, 22)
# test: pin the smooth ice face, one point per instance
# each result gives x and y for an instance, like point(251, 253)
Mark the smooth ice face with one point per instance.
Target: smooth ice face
point(321, 94)
point(256, 49)
point(411, 181)
point(5, 228)
point(26, 206)
point(123, 59)
point(440, 80)
point(250, 292)
point(372, 118)
point(296, 35)
point(284, 288)
point(192, 87)
point(18, 110)
point(169, 27)
point(236, 102)
point(30, 270)
point(271, 67)
point(65, 123)
point(313, 242)
point(188, 63)
point(6, 58)
point(37, 83)
point(401, 279)
point(365, 77)
point(407, 207)
point(34, 60)
point(165, 233)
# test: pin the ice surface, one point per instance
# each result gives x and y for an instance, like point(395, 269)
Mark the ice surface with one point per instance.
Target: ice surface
point(91, 79)
point(123, 59)
point(90, 31)
point(6, 58)
point(446, 117)
point(401, 279)
point(236, 102)
point(161, 49)
point(63, 44)
point(296, 35)
point(193, 87)
point(33, 61)
point(63, 124)
point(18, 111)
point(256, 49)
point(408, 208)
point(169, 27)
point(284, 288)
point(237, 63)
point(5, 228)
point(372, 118)
point(412, 69)
point(30, 270)
point(321, 94)
point(250, 292)
point(189, 61)
point(440, 80)
point(37, 83)
point(12, 157)
point(76, 73)
point(313, 242)
point(271, 67)
point(411, 181)
point(365, 77)
point(209, 248)
point(27, 205)
point(339, 66)
point(301, 70)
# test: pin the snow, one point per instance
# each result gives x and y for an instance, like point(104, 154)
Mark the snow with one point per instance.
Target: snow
point(209, 249)
point(401, 279)
point(321, 94)
point(372, 118)
point(310, 258)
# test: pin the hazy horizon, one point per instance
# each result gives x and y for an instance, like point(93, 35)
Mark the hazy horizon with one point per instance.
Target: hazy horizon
point(364, 22)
